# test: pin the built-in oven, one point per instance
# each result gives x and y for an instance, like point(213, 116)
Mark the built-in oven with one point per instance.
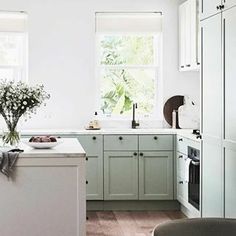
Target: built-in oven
point(194, 177)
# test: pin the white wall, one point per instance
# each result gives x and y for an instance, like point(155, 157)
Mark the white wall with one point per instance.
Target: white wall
point(61, 54)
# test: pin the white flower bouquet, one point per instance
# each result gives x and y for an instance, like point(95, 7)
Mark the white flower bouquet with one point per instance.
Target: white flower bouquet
point(18, 99)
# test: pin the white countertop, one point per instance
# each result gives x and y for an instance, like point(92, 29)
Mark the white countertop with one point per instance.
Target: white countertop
point(183, 132)
point(69, 147)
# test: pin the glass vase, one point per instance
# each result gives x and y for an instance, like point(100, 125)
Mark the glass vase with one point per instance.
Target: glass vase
point(11, 138)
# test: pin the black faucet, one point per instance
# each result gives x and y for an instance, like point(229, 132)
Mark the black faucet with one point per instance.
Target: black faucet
point(134, 122)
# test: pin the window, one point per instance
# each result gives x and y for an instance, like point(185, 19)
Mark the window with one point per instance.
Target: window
point(128, 63)
point(13, 46)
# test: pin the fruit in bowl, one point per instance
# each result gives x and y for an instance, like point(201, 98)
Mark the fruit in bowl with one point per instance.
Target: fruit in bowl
point(43, 142)
point(43, 139)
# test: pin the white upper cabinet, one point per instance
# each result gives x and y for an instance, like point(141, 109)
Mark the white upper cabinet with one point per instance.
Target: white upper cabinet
point(229, 3)
point(212, 7)
point(209, 8)
point(189, 58)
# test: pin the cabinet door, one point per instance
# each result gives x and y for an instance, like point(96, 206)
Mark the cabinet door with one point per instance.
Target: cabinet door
point(229, 3)
point(93, 147)
point(182, 27)
point(156, 175)
point(212, 77)
point(230, 180)
point(209, 8)
point(212, 161)
point(229, 19)
point(120, 176)
point(188, 34)
point(182, 191)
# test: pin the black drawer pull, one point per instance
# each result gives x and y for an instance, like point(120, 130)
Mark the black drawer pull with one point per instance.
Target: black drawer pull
point(180, 156)
point(86, 181)
point(135, 154)
point(86, 158)
point(141, 154)
point(182, 67)
point(180, 140)
point(217, 7)
point(188, 65)
point(94, 138)
point(181, 182)
point(155, 137)
point(120, 138)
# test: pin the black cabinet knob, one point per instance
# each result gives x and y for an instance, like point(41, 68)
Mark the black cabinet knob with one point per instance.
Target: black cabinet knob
point(141, 154)
point(120, 138)
point(155, 137)
point(135, 154)
point(222, 7)
point(86, 181)
point(181, 182)
point(94, 138)
point(180, 157)
point(181, 140)
point(86, 158)
point(188, 65)
point(218, 7)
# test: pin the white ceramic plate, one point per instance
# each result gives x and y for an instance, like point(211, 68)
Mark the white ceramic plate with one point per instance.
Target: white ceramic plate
point(48, 145)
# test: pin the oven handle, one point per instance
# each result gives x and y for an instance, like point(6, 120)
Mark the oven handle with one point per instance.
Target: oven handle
point(195, 163)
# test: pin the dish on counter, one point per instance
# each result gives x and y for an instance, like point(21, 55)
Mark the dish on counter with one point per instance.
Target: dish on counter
point(43, 142)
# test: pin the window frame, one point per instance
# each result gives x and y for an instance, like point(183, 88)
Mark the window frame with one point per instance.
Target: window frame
point(157, 66)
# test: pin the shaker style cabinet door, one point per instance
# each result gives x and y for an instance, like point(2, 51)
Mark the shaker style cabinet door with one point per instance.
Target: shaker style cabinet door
point(93, 147)
point(156, 175)
point(209, 8)
point(230, 180)
point(121, 175)
point(229, 35)
point(212, 159)
point(229, 3)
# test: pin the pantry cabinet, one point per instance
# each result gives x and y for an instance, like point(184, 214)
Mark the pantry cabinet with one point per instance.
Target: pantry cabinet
point(218, 127)
point(229, 139)
point(189, 58)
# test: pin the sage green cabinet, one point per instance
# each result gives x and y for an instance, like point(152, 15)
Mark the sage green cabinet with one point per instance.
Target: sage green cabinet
point(120, 175)
point(93, 146)
point(155, 142)
point(155, 175)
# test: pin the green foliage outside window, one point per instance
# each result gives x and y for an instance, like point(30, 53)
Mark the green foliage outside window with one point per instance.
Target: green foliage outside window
point(125, 75)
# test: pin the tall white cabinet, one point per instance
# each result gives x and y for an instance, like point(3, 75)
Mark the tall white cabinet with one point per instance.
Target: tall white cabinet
point(218, 81)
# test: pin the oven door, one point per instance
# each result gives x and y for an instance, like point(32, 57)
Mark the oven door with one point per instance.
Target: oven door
point(193, 185)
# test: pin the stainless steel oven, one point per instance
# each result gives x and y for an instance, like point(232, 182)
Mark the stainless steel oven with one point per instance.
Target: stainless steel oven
point(194, 177)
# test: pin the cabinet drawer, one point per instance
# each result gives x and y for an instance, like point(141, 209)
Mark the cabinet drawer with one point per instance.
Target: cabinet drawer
point(92, 144)
point(181, 145)
point(120, 142)
point(155, 142)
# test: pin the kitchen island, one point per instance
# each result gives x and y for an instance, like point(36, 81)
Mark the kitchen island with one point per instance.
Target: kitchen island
point(46, 194)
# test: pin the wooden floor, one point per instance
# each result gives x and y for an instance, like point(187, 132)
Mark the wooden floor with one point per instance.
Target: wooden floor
point(127, 223)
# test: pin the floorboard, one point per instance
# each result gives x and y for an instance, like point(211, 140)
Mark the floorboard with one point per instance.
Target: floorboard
point(127, 223)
